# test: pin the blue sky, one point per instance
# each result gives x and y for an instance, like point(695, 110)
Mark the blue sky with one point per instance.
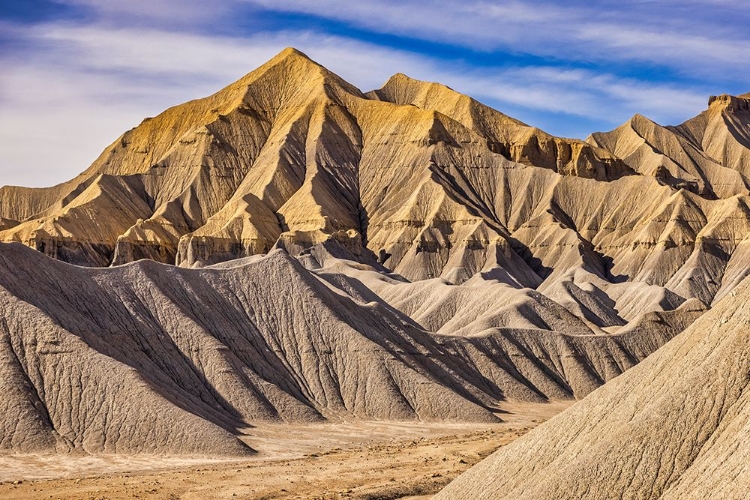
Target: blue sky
point(77, 73)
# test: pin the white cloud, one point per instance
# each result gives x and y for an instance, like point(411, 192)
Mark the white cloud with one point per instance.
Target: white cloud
point(74, 88)
point(695, 37)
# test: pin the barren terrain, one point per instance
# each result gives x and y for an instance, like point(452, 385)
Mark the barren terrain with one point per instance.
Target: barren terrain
point(295, 289)
point(332, 460)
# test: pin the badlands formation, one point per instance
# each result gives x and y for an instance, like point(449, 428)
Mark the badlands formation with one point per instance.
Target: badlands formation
point(674, 427)
point(293, 250)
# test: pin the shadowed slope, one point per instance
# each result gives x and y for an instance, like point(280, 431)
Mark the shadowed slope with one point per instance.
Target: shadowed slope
point(524, 345)
point(204, 353)
point(675, 426)
point(207, 352)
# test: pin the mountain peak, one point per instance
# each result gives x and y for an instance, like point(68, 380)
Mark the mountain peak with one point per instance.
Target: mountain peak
point(289, 52)
point(399, 76)
point(638, 120)
point(404, 78)
point(288, 58)
point(292, 65)
point(403, 81)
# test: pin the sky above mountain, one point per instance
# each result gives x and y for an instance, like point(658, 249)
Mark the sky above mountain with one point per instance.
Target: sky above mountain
point(78, 73)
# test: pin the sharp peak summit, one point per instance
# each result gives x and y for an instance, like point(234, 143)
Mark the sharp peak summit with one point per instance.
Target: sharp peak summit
point(291, 53)
point(289, 57)
point(404, 78)
point(639, 119)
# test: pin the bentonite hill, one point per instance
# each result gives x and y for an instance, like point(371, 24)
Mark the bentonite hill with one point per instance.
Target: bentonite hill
point(291, 249)
point(674, 427)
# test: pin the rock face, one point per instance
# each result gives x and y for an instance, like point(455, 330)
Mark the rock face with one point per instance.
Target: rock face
point(151, 358)
point(428, 181)
point(674, 427)
point(708, 154)
point(511, 138)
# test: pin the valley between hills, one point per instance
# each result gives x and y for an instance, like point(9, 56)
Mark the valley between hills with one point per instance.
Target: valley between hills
point(365, 293)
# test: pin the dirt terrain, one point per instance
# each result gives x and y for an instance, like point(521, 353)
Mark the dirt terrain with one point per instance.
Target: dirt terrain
point(366, 460)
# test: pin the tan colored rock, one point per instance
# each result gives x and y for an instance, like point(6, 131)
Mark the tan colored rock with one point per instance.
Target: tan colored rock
point(433, 183)
point(707, 154)
point(509, 137)
point(403, 254)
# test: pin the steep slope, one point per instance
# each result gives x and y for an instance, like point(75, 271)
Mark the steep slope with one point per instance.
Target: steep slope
point(211, 349)
point(723, 132)
point(193, 158)
point(208, 352)
point(537, 364)
point(425, 181)
point(515, 140)
point(95, 217)
point(615, 444)
point(524, 345)
point(707, 154)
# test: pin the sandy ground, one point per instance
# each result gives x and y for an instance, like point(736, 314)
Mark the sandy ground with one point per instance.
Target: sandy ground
point(363, 460)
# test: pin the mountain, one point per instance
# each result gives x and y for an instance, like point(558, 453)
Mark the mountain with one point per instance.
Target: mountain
point(513, 139)
point(200, 354)
point(708, 154)
point(673, 427)
point(153, 358)
point(426, 181)
point(289, 153)
point(293, 249)
point(289, 149)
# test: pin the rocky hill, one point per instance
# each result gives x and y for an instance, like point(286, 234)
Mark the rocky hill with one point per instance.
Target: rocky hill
point(152, 358)
point(293, 249)
point(428, 181)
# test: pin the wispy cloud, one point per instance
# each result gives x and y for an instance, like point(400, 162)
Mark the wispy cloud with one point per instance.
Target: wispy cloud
point(69, 88)
point(173, 13)
point(694, 37)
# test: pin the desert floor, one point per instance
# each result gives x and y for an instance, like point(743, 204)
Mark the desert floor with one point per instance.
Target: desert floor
point(364, 460)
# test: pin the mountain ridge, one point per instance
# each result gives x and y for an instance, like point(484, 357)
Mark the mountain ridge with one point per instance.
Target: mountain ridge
point(615, 444)
point(212, 351)
point(413, 176)
point(293, 250)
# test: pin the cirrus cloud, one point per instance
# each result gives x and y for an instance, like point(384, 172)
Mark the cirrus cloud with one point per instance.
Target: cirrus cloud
point(71, 85)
